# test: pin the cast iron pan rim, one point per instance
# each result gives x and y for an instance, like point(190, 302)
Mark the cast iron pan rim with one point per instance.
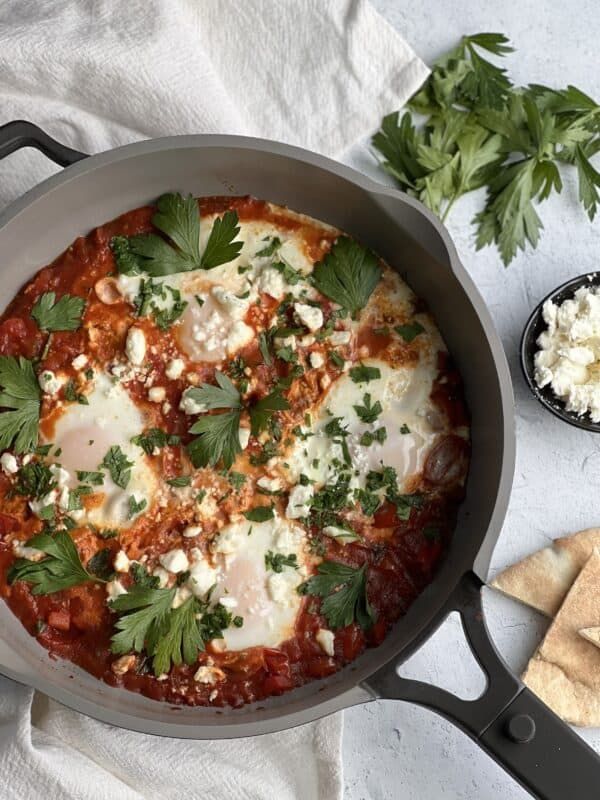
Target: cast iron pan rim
point(545, 396)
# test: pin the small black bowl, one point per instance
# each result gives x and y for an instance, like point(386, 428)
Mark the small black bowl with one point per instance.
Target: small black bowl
point(536, 325)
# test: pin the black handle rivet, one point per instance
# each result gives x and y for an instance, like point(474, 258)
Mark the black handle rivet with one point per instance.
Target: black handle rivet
point(520, 728)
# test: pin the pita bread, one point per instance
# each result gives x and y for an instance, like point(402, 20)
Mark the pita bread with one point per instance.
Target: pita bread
point(591, 634)
point(543, 579)
point(565, 670)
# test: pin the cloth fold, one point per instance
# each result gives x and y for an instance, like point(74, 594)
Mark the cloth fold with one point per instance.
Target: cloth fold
point(96, 74)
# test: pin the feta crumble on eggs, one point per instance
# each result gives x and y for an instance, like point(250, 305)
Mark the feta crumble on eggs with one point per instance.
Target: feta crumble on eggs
point(568, 359)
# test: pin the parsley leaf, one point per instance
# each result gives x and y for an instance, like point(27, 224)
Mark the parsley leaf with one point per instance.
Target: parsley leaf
point(60, 569)
point(34, 480)
point(150, 440)
point(180, 482)
point(348, 274)
point(344, 590)
point(277, 561)
point(219, 438)
point(259, 514)
point(221, 247)
point(482, 131)
point(225, 395)
point(118, 466)
point(177, 217)
point(368, 413)
point(269, 249)
point(21, 394)
point(95, 478)
point(62, 315)
point(135, 506)
point(364, 374)
point(262, 411)
point(409, 330)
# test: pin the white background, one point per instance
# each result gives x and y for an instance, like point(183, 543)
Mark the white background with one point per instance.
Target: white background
point(394, 750)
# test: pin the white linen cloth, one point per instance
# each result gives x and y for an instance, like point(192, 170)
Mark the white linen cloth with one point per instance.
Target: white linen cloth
point(97, 74)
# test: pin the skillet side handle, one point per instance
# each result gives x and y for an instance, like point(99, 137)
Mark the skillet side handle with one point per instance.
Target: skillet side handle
point(508, 721)
point(18, 134)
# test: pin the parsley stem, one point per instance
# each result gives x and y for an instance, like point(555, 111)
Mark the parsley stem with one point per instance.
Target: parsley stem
point(451, 202)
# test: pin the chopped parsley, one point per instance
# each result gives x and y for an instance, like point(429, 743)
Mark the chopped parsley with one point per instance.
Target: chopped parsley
point(409, 331)
point(118, 466)
point(277, 561)
point(34, 480)
point(367, 438)
point(135, 506)
point(72, 395)
point(154, 438)
point(259, 514)
point(368, 412)
point(180, 482)
point(364, 374)
point(94, 478)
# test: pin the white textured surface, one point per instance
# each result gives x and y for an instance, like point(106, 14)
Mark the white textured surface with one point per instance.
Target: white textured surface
point(394, 750)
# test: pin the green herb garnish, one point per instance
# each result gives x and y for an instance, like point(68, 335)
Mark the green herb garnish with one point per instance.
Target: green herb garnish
point(409, 331)
point(60, 569)
point(277, 561)
point(344, 590)
point(21, 395)
point(480, 131)
point(62, 315)
point(348, 274)
point(368, 412)
point(259, 514)
point(118, 466)
point(364, 374)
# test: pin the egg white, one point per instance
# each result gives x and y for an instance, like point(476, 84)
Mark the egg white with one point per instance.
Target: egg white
point(404, 394)
point(83, 434)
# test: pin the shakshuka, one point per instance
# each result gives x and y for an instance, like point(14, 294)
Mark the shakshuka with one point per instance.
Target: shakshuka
point(233, 448)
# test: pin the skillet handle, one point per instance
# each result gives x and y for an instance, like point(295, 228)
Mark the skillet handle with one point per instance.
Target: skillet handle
point(508, 721)
point(18, 134)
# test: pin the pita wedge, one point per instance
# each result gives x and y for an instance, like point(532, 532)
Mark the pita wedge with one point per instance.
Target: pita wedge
point(591, 634)
point(543, 579)
point(564, 672)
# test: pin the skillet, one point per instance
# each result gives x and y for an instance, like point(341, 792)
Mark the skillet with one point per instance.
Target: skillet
point(507, 720)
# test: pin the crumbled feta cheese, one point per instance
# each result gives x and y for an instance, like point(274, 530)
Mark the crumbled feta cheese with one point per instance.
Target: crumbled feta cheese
point(115, 588)
point(162, 575)
point(182, 594)
point(51, 383)
point(209, 675)
point(269, 484)
point(339, 338)
point(9, 464)
point(192, 531)
point(236, 307)
point(60, 475)
point(63, 498)
point(30, 553)
point(202, 575)
point(80, 361)
point(311, 316)
point(135, 346)
point(570, 352)
point(189, 404)
point(228, 602)
point(123, 664)
point(240, 335)
point(48, 500)
point(316, 360)
point(299, 501)
point(272, 282)
point(326, 641)
point(121, 562)
point(244, 436)
point(175, 369)
point(282, 587)
point(175, 561)
point(156, 394)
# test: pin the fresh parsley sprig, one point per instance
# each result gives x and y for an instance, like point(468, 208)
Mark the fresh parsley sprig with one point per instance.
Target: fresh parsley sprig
point(168, 635)
point(482, 131)
point(58, 315)
point(21, 396)
point(178, 218)
point(219, 434)
point(348, 274)
point(344, 593)
point(60, 569)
